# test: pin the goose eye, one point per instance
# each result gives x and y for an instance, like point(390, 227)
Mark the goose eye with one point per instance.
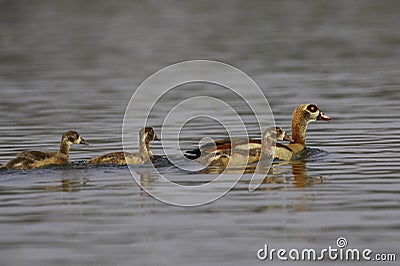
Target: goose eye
point(312, 108)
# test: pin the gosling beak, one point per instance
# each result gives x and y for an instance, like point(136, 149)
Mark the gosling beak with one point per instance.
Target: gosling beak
point(83, 142)
point(321, 116)
point(156, 137)
point(287, 137)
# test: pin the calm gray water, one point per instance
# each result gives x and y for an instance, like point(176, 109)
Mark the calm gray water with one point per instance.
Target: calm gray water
point(74, 65)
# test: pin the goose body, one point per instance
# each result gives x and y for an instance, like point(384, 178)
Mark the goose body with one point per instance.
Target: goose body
point(238, 152)
point(34, 159)
point(142, 156)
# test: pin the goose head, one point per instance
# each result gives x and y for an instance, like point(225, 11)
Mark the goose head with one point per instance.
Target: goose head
point(309, 112)
point(302, 115)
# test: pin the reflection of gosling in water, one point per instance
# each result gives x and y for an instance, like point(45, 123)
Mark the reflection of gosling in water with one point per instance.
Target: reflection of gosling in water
point(239, 152)
point(36, 159)
point(145, 136)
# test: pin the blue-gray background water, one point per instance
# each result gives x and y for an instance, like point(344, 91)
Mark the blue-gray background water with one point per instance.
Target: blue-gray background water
point(75, 64)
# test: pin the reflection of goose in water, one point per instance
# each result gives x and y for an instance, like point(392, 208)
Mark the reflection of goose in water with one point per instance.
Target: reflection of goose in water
point(278, 174)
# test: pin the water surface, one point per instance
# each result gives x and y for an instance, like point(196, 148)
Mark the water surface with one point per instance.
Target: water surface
point(74, 65)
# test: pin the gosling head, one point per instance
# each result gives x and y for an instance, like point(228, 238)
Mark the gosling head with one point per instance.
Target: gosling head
point(147, 134)
point(272, 134)
point(72, 137)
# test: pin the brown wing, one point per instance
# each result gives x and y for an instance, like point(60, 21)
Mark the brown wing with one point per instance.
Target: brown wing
point(18, 163)
point(280, 145)
point(109, 158)
point(208, 148)
point(34, 159)
point(255, 141)
point(35, 155)
point(221, 144)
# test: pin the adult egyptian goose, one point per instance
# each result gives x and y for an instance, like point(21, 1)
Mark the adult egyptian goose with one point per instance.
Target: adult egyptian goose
point(302, 115)
point(238, 152)
point(34, 159)
point(145, 136)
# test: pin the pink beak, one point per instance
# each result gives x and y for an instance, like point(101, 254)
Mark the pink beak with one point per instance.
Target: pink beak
point(321, 116)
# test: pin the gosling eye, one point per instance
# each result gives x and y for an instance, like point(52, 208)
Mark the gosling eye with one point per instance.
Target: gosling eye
point(312, 108)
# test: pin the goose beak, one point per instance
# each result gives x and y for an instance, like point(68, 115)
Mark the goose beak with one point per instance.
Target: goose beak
point(156, 137)
point(83, 142)
point(321, 116)
point(287, 137)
